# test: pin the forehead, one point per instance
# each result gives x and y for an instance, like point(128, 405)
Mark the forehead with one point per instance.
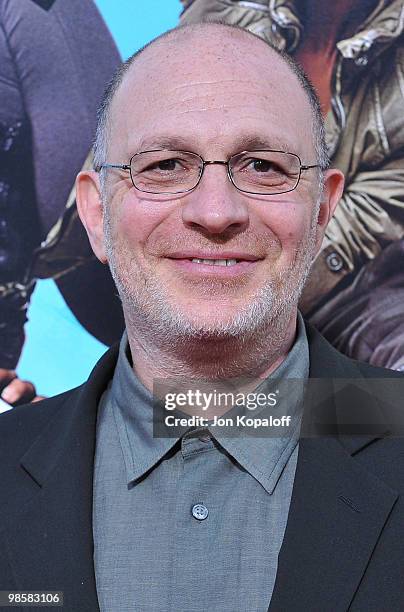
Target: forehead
point(210, 90)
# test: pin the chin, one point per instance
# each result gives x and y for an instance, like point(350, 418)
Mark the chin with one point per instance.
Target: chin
point(210, 325)
point(214, 313)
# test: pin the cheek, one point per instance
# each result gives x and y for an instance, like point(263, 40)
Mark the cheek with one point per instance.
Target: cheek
point(140, 219)
point(289, 222)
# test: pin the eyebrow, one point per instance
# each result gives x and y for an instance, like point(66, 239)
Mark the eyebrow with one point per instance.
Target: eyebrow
point(258, 142)
point(162, 142)
point(242, 142)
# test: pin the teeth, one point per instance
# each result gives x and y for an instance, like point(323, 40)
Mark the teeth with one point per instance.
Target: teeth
point(215, 262)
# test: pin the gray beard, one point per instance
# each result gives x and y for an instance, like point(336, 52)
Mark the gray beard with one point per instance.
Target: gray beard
point(214, 347)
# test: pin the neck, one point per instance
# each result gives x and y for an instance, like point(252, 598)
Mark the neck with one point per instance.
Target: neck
point(255, 356)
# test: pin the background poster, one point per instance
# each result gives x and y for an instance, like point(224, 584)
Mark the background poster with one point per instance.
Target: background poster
point(353, 53)
point(59, 353)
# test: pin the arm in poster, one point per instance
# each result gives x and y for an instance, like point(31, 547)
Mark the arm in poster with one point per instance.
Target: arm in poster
point(47, 119)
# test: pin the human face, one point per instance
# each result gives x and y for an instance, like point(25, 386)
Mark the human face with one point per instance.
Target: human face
point(238, 97)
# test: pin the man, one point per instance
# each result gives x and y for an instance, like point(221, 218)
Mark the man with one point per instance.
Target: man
point(209, 203)
point(353, 54)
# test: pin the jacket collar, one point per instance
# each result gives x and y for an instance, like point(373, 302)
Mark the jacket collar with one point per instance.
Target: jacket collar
point(339, 401)
point(342, 506)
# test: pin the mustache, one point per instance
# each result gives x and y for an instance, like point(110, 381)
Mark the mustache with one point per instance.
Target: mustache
point(251, 243)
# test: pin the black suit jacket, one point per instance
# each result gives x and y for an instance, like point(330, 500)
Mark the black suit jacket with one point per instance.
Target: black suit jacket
point(344, 542)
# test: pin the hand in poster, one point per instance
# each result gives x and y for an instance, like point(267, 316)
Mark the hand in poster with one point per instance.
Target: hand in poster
point(15, 391)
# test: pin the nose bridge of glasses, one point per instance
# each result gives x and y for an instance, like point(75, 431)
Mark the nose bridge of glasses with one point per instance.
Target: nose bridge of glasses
point(218, 162)
point(215, 161)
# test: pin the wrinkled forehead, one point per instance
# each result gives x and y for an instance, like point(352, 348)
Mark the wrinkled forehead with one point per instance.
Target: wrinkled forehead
point(212, 84)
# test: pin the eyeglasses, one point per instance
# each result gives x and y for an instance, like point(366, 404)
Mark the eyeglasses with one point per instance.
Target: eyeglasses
point(171, 172)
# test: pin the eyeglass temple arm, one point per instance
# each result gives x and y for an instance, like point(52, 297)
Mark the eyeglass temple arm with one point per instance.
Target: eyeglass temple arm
point(308, 167)
point(121, 166)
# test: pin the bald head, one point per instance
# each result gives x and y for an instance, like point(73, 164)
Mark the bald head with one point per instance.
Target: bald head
point(230, 46)
point(211, 160)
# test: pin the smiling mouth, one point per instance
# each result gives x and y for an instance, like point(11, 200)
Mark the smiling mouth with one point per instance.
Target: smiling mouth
point(224, 264)
point(215, 262)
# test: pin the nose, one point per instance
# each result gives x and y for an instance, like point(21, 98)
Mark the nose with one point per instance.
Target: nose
point(215, 205)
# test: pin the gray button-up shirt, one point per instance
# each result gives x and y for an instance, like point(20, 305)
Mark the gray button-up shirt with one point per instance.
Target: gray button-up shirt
point(194, 523)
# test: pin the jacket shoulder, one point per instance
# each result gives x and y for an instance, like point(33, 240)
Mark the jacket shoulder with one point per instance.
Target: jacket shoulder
point(327, 361)
point(370, 371)
point(20, 426)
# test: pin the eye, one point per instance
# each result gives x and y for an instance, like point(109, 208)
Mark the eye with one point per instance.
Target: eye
point(168, 165)
point(264, 165)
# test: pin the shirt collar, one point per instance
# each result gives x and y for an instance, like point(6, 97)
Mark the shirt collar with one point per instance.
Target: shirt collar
point(132, 406)
point(263, 457)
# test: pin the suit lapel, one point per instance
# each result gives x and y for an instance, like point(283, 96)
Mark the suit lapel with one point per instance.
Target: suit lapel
point(338, 508)
point(50, 538)
point(336, 515)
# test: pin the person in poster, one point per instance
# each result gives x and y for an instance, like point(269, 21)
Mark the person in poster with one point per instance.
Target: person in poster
point(56, 58)
point(353, 52)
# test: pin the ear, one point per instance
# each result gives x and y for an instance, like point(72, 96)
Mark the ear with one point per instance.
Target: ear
point(332, 192)
point(90, 210)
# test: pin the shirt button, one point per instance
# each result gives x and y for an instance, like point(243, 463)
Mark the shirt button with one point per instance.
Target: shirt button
point(204, 436)
point(334, 262)
point(200, 512)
